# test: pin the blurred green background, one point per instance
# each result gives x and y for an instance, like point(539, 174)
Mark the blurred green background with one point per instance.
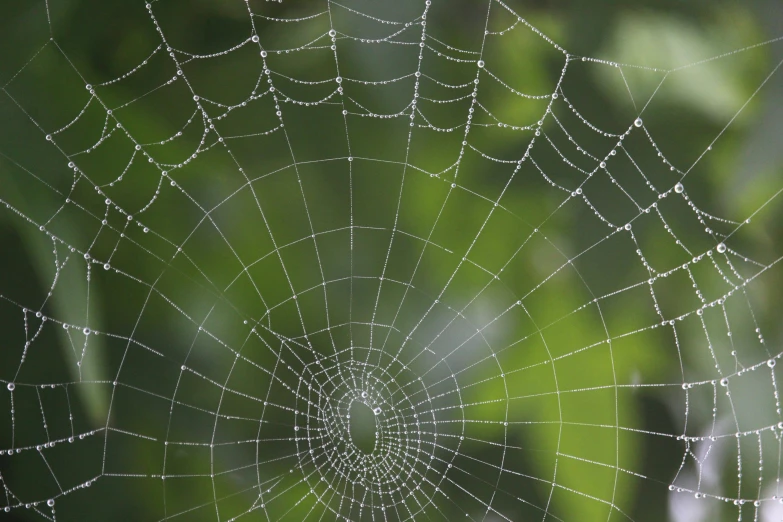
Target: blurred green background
point(144, 314)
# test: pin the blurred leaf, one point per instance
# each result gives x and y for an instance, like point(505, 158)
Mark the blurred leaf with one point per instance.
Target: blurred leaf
point(714, 88)
point(86, 362)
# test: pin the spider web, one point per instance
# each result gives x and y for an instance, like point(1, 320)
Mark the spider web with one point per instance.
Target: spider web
point(349, 210)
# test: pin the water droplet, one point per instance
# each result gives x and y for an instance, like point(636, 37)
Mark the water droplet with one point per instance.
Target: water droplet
point(721, 248)
point(638, 122)
point(11, 386)
point(678, 188)
point(480, 63)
